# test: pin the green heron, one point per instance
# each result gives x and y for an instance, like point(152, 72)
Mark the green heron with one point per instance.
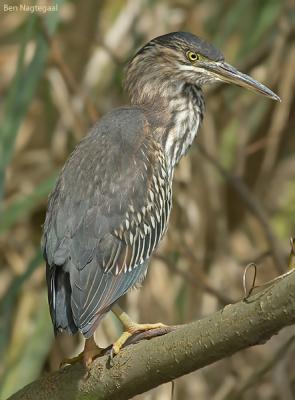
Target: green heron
point(111, 204)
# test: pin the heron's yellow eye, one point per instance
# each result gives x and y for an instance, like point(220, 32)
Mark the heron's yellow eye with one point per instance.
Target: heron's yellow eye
point(192, 56)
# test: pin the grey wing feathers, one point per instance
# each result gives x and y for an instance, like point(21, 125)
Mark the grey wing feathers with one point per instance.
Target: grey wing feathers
point(102, 289)
point(105, 217)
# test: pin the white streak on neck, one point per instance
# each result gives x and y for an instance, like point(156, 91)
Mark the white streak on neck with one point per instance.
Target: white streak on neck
point(185, 111)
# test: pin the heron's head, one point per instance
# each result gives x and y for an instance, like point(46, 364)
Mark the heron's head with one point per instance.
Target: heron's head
point(178, 57)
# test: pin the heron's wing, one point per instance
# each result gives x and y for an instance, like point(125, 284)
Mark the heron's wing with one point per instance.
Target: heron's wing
point(106, 215)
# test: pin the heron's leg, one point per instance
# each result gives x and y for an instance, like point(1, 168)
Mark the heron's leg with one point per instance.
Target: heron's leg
point(90, 352)
point(130, 327)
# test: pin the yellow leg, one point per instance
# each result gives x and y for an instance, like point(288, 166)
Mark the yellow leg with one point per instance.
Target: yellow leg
point(90, 352)
point(130, 327)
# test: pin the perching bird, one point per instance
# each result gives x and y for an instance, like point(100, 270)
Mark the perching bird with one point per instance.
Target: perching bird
point(111, 204)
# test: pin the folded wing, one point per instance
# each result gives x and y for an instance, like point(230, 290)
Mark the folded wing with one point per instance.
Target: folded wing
point(105, 217)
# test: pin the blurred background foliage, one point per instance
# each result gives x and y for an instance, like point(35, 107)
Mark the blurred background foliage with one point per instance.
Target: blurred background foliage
point(234, 194)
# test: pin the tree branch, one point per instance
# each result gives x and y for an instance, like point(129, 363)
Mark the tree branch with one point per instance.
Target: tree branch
point(145, 365)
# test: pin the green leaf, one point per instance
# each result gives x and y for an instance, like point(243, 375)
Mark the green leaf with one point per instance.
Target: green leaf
point(228, 144)
point(8, 300)
point(30, 351)
point(181, 301)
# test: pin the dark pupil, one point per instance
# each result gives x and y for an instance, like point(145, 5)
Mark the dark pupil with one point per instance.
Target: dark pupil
point(193, 56)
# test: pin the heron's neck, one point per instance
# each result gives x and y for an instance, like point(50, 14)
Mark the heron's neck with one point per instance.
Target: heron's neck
point(176, 113)
point(186, 113)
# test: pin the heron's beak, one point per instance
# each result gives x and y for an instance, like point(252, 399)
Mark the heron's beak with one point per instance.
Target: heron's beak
point(226, 73)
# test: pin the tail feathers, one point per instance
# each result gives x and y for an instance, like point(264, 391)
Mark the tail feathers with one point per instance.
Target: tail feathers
point(61, 310)
point(79, 299)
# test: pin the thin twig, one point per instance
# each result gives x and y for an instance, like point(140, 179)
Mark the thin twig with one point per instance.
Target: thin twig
point(291, 259)
point(248, 292)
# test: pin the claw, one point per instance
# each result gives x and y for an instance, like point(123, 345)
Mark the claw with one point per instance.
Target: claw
point(111, 358)
point(130, 331)
point(71, 361)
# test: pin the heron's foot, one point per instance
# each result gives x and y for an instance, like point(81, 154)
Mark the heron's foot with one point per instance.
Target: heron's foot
point(130, 330)
point(87, 356)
